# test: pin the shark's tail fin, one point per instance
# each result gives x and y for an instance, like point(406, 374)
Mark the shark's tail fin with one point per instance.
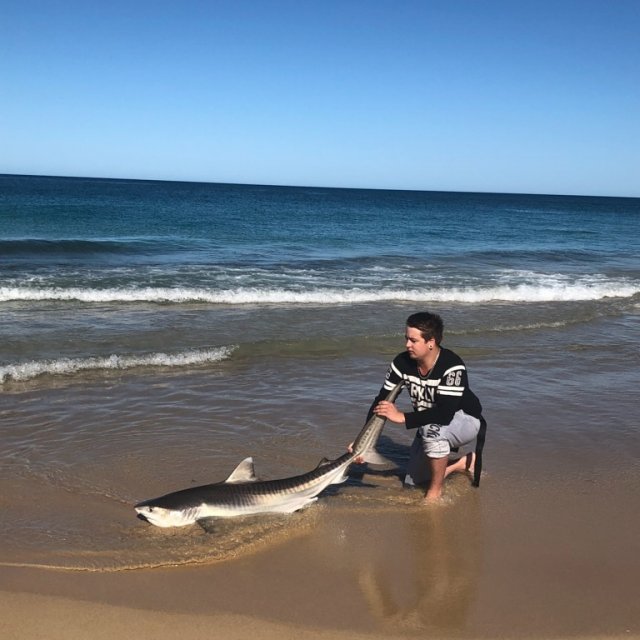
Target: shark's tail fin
point(375, 459)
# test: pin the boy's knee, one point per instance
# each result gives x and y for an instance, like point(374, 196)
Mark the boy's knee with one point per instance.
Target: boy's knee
point(434, 444)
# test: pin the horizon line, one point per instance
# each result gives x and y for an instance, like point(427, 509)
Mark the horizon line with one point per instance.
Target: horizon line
point(311, 186)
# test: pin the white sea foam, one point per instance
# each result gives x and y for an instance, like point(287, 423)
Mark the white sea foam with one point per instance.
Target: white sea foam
point(34, 368)
point(549, 291)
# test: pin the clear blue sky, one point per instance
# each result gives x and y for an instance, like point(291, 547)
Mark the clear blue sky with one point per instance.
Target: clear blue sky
point(463, 95)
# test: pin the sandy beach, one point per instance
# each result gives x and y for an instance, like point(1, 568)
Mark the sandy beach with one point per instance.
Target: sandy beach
point(514, 559)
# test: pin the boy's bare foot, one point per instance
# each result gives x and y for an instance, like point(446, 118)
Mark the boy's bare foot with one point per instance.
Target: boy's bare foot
point(466, 463)
point(433, 495)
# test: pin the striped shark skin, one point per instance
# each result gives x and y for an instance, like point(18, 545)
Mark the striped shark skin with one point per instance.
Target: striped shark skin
point(242, 494)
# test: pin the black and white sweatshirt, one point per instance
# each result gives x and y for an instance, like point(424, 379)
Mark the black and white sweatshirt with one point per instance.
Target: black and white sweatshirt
point(435, 397)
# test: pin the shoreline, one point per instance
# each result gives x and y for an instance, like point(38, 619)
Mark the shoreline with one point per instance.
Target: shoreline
point(501, 561)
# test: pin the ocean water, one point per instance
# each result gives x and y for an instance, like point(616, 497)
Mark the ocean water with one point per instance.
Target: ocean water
point(153, 334)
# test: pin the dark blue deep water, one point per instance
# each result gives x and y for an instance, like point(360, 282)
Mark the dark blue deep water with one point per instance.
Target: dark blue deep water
point(77, 245)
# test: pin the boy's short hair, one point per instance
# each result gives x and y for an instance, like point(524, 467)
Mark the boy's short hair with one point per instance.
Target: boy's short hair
point(429, 324)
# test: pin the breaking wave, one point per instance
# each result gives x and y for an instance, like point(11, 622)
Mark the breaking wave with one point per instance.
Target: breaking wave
point(66, 366)
point(556, 292)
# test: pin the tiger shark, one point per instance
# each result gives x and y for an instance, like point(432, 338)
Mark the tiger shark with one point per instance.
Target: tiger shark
point(243, 494)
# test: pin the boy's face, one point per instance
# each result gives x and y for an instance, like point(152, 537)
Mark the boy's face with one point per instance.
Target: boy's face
point(416, 345)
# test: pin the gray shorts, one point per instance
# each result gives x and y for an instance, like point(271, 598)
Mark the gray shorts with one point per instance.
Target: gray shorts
point(436, 441)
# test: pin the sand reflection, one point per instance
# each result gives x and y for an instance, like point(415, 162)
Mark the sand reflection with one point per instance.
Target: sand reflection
point(425, 576)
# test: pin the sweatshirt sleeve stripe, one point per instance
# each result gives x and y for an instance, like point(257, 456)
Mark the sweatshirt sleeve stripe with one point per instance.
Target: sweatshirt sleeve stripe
point(447, 391)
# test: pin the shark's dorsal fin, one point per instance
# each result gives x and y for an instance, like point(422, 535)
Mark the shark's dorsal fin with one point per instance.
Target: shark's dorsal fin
point(244, 472)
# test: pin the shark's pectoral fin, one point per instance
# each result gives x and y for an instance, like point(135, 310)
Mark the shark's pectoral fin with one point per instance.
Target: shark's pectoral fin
point(244, 472)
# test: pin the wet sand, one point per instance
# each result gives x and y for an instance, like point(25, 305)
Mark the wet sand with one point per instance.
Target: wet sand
point(528, 555)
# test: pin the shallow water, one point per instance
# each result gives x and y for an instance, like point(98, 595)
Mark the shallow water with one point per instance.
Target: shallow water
point(78, 454)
